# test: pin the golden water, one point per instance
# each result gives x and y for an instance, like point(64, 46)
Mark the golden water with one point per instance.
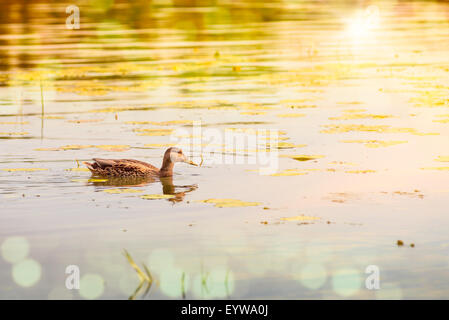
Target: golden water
point(364, 87)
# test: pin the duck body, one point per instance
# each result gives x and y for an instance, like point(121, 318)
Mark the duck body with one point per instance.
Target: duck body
point(134, 168)
point(121, 168)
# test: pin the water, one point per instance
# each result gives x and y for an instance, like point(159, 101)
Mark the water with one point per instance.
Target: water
point(367, 88)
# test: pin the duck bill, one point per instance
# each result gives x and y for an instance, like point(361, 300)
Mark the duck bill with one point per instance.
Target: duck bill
point(187, 160)
point(191, 162)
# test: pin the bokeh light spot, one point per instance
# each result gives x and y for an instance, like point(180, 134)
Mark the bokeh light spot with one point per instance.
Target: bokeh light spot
point(26, 273)
point(313, 276)
point(174, 282)
point(346, 282)
point(91, 286)
point(15, 249)
point(160, 260)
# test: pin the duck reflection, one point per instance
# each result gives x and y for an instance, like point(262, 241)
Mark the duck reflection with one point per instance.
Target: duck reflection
point(168, 188)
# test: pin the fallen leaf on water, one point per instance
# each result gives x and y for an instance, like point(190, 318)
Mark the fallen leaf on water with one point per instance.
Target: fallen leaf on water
point(228, 203)
point(358, 114)
point(75, 147)
point(159, 145)
point(52, 117)
point(78, 169)
point(289, 172)
point(13, 133)
point(342, 128)
point(154, 132)
point(78, 147)
point(303, 106)
point(436, 168)
point(156, 196)
point(442, 159)
point(46, 149)
point(288, 145)
point(442, 121)
point(113, 147)
point(303, 157)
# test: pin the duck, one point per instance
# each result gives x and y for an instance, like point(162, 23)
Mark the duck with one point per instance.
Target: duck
point(128, 168)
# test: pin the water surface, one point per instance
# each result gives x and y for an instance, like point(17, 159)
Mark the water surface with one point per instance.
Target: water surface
point(363, 87)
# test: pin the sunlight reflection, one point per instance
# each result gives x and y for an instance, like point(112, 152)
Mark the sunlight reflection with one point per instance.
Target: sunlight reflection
point(360, 27)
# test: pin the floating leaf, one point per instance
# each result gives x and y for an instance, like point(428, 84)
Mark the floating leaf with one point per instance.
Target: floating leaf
point(13, 133)
point(117, 148)
point(229, 203)
point(375, 143)
point(288, 145)
point(442, 121)
point(159, 145)
point(157, 196)
point(342, 128)
point(75, 147)
point(303, 106)
point(49, 117)
point(442, 159)
point(78, 169)
point(47, 149)
point(350, 116)
point(303, 157)
point(289, 172)
point(154, 132)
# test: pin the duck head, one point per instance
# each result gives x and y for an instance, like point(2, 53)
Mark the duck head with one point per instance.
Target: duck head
point(174, 155)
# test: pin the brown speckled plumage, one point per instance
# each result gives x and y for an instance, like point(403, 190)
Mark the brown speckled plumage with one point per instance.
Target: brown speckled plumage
point(136, 168)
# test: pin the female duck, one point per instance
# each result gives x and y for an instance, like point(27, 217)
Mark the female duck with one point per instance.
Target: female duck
point(135, 168)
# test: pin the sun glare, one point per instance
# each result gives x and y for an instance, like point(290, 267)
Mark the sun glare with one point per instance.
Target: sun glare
point(360, 27)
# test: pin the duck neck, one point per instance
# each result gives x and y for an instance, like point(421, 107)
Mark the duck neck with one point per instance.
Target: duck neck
point(167, 168)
